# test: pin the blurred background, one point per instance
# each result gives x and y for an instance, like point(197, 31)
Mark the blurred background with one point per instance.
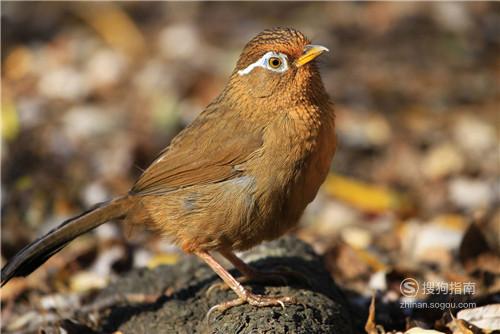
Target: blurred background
point(91, 92)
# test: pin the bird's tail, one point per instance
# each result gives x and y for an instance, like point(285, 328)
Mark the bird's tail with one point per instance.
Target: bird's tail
point(35, 254)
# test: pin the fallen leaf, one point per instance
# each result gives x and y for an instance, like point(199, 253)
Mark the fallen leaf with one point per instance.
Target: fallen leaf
point(460, 326)
point(161, 259)
point(87, 281)
point(114, 25)
point(485, 317)
point(10, 120)
point(363, 196)
point(18, 63)
point(371, 326)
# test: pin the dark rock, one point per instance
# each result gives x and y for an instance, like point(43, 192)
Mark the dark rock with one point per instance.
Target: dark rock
point(321, 305)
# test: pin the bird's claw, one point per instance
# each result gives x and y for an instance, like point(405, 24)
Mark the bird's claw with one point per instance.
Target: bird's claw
point(252, 299)
point(216, 286)
point(281, 276)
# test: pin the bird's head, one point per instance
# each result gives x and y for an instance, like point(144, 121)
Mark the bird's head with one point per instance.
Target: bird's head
point(278, 65)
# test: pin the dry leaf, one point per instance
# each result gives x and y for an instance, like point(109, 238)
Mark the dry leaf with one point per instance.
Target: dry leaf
point(371, 327)
point(460, 326)
point(10, 120)
point(114, 25)
point(87, 281)
point(363, 196)
point(486, 317)
point(161, 259)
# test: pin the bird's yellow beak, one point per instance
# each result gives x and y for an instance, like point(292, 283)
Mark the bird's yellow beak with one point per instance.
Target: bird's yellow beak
point(310, 53)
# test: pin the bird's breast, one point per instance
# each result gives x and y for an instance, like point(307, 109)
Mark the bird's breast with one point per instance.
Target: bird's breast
point(295, 160)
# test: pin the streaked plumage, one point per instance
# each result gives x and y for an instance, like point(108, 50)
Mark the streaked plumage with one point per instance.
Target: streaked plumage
point(241, 173)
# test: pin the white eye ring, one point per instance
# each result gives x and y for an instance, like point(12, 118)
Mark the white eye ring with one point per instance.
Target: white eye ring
point(265, 62)
point(274, 62)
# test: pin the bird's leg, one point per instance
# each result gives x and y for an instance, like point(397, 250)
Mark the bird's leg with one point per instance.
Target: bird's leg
point(244, 295)
point(250, 274)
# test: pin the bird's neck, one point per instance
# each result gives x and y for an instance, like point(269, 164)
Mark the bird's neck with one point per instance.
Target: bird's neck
point(307, 102)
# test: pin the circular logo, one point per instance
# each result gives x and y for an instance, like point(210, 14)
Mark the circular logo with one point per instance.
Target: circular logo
point(409, 287)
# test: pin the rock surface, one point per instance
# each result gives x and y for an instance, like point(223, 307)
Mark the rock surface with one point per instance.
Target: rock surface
point(321, 307)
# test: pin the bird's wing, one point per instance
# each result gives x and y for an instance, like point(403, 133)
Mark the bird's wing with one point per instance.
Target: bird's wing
point(207, 151)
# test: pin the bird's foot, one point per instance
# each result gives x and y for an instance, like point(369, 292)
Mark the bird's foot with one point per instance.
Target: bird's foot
point(280, 276)
point(244, 295)
point(252, 299)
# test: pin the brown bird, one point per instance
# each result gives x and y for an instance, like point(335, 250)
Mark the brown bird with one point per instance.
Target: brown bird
point(241, 173)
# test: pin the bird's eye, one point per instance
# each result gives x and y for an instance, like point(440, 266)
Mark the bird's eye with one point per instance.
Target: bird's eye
point(275, 62)
point(272, 61)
